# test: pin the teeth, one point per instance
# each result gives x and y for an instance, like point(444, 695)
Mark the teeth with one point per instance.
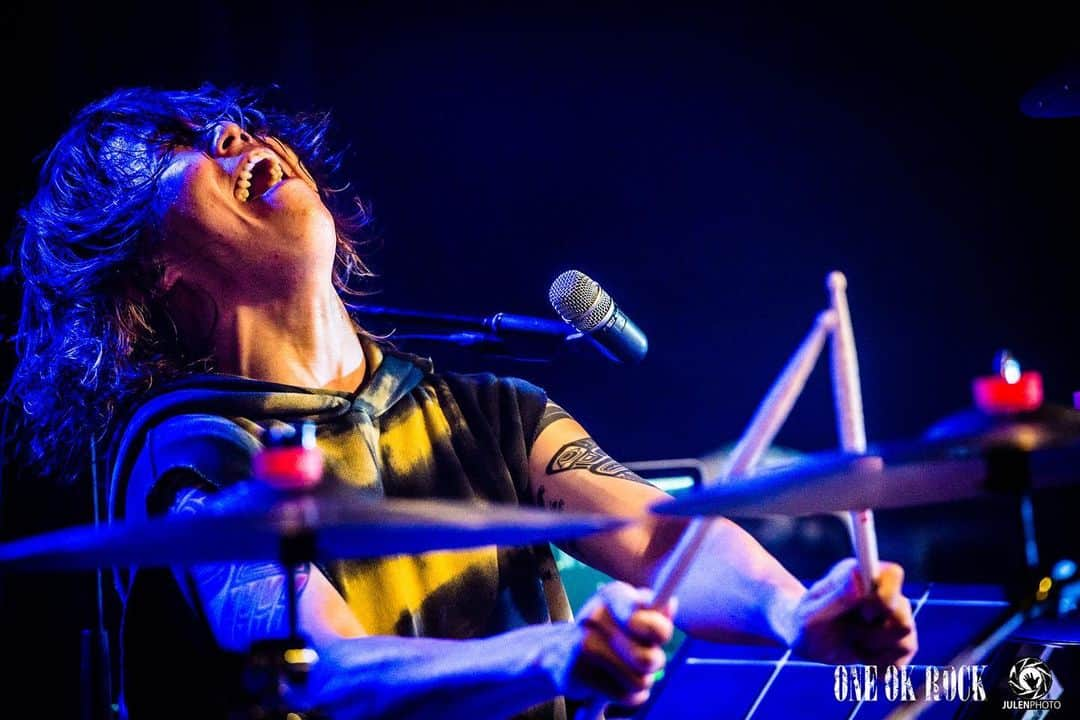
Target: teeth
point(242, 191)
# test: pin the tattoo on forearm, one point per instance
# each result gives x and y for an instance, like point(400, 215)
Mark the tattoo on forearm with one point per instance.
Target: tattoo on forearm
point(584, 454)
point(189, 501)
point(558, 505)
point(547, 503)
point(552, 412)
point(248, 601)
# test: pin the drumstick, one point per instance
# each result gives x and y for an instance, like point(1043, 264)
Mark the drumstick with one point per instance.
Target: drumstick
point(850, 423)
point(776, 406)
point(757, 437)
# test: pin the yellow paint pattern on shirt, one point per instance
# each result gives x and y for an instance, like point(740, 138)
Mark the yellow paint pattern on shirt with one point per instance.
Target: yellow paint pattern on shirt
point(406, 444)
point(382, 592)
point(348, 458)
point(388, 594)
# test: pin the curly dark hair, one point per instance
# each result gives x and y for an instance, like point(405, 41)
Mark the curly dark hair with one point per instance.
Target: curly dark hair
point(94, 332)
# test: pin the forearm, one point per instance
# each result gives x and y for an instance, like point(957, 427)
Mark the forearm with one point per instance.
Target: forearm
point(359, 676)
point(735, 590)
point(384, 677)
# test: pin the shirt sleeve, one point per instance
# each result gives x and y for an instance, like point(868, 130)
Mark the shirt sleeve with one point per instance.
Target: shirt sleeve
point(552, 412)
point(501, 416)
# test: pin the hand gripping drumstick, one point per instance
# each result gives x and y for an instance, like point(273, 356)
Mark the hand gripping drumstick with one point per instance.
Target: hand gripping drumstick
point(768, 419)
point(850, 424)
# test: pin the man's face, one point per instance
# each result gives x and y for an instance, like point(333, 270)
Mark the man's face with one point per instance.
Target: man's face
point(242, 216)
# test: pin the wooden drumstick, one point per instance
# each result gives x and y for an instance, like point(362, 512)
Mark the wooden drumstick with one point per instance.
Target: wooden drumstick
point(757, 437)
point(850, 423)
point(776, 406)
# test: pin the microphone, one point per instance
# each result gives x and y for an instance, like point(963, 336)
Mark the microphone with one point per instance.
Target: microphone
point(582, 303)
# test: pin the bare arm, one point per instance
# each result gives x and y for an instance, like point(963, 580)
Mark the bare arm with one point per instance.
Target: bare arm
point(247, 601)
point(735, 590)
point(360, 676)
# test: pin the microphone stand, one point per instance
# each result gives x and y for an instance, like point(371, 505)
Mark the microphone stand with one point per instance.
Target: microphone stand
point(518, 337)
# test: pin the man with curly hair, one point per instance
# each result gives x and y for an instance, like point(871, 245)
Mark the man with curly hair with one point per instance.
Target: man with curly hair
point(184, 264)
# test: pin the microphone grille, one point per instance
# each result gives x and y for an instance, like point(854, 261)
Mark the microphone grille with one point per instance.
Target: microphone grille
point(579, 300)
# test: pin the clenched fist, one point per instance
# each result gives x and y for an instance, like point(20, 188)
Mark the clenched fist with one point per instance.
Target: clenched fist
point(621, 647)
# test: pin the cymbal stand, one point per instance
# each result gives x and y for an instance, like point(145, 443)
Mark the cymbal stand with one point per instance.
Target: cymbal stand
point(292, 464)
point(1052, 594)
point(95, 657)
point(1036, 594)
point(275, 665)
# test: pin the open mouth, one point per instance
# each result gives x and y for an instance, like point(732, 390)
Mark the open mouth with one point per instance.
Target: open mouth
point(260, 173)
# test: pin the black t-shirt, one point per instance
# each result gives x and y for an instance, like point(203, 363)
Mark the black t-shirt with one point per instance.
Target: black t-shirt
point(406, 432)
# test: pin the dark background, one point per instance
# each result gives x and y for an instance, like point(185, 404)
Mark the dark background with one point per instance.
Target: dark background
point(707, 167)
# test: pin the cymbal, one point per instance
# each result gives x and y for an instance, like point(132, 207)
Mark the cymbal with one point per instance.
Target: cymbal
point(973, 431)
point(250, 522)
point(1063, 631)
point(967, 456)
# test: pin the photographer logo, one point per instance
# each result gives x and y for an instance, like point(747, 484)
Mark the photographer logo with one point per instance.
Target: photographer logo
point(1031, 681)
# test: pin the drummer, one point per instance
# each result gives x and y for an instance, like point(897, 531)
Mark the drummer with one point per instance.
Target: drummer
point(194, 239)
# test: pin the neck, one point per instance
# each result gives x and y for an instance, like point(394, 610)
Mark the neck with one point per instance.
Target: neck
point(308, 341)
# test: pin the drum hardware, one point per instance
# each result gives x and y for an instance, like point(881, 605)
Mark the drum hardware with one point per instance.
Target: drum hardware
point(1009, 440)
point(247, 522)
point(966, 456)
point(1049, 596)
point(972, 454)
point(276, 665)
point(292, 463)
point(289, 518)
point(1025, 448)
